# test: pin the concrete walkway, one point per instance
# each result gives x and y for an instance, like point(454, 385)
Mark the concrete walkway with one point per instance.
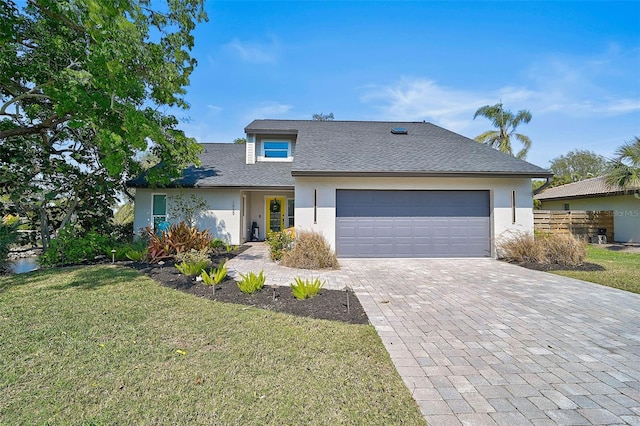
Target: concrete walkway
point(482, 342)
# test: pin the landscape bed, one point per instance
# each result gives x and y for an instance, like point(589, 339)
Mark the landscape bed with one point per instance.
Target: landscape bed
point(334, 305)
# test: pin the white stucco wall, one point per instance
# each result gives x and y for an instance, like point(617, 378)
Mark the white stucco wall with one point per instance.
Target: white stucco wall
point(500, 200)
point(626, 210)
point(222, 217)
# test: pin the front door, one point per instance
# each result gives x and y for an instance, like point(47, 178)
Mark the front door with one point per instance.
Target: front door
point(275, 216)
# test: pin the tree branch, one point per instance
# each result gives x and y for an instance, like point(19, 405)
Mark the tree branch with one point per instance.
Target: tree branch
point(49, 123)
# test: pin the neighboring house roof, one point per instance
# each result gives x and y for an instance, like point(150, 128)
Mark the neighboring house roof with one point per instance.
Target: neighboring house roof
point(593, 187)
point(224, 165)
point(352, 148)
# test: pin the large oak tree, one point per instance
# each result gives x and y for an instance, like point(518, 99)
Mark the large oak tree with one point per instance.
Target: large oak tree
point(85, 86)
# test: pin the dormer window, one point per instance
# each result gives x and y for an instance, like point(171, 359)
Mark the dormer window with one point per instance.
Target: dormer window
point(275, 150)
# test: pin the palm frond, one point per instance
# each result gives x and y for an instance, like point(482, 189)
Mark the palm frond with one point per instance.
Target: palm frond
point(489, 137)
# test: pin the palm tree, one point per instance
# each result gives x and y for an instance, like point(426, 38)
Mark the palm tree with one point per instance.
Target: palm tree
point(506, 123)
point(624, 169)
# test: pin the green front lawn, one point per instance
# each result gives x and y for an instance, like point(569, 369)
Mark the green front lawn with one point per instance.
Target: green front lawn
point(104, 345)
point(621, 269)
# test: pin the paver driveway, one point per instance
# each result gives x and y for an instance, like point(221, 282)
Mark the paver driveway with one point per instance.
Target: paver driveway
point(478, 341)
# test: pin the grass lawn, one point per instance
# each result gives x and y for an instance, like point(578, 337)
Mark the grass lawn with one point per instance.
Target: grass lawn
point(621, 269)
point(105, 345)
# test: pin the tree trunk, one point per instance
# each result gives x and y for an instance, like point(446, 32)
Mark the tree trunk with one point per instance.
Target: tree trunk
point(44, 227)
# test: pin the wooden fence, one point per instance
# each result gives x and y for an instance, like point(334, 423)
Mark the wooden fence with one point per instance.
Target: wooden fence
point(580, 223)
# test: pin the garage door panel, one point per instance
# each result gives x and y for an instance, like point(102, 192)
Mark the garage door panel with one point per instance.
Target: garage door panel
point(412, 223)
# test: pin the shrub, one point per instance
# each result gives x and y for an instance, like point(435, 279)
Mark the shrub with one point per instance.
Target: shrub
point(251, 282)
point(310, 251)
point(217, 244)
point(564, 250)
point(547, 249)
point(215, 276)
point(70, 246)
point(279, 243)
point(306, 289)
point(136, 255)
point(195, 256)
point(178, 239)
point(191, 269)
point(193, 262)
point(8, 235)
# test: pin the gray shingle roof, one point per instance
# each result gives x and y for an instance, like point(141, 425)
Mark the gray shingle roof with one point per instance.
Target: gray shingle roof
point(224, 165)
point(369, 147)
point(585, 188)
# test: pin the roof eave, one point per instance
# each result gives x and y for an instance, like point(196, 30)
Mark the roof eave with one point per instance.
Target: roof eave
point(573, 197)
point(323, 173)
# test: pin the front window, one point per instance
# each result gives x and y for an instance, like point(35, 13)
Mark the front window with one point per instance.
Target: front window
point(290, 210)
point(159, 209)
point(276, 150)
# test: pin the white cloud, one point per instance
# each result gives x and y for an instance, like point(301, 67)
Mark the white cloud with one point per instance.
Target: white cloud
point(214, 109)
point(269, 109)
point(255, 52)
point(417, 99)
point(579, 88)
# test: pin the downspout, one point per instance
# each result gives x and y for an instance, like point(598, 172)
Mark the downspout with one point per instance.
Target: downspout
point(543, 187)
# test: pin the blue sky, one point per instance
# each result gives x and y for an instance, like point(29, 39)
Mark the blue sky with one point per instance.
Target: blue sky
point(574, 65)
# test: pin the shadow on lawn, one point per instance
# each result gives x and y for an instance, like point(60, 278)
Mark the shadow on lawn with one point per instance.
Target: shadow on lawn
point(92, 278)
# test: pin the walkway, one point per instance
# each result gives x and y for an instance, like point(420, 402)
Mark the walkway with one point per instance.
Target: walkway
point(482, 342)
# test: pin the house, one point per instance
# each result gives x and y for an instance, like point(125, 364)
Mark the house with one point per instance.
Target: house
point(373, 189)
point(597, 194)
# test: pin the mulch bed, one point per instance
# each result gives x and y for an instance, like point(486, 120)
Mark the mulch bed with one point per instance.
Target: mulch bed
point(328, 304)
point(590, 267)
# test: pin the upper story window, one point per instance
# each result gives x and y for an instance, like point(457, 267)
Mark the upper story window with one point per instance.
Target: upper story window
point(276, 150)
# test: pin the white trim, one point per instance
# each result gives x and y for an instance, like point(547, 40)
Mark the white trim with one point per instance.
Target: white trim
point(166, 207)
point(288, 158)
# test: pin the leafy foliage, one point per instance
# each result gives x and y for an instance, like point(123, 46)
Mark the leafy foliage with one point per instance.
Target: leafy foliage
point(191, 269)
point(306, 289)
point(82, 88)
point(576, 165)
point(251, 282)
point(72, 246)
point(8, 235)
point(310, 251)
point(544, 249)
point(278, 243)
point(178, 239)
point(506, 123)
point(624, 169)
point(136, 255)
point(215, 276)
point(186, 208)
point(322, 117)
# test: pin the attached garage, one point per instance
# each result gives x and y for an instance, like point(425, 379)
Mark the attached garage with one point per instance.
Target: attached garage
point(399, 223)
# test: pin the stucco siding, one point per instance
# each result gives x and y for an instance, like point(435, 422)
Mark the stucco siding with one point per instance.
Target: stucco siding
point(222, 216)
point(626, 210)
point(316, 200)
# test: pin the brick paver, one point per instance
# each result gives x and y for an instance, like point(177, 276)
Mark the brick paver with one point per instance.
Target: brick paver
point(478, 341)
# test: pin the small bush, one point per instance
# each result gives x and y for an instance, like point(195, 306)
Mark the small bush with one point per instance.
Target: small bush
point(191, 269)
point(8, 235)
point(564, 250)
point(136, 255)
point(195, 256)
point(217, 244)
point(547, 249)
point(71, 246)
point(178, 239)
point(279, 243)
point(251, 282)
point(310, 251)
point(306, 289)
point(215, 276)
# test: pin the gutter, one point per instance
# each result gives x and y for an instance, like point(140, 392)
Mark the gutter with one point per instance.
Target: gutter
point(324, 173)
point(543, 187)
